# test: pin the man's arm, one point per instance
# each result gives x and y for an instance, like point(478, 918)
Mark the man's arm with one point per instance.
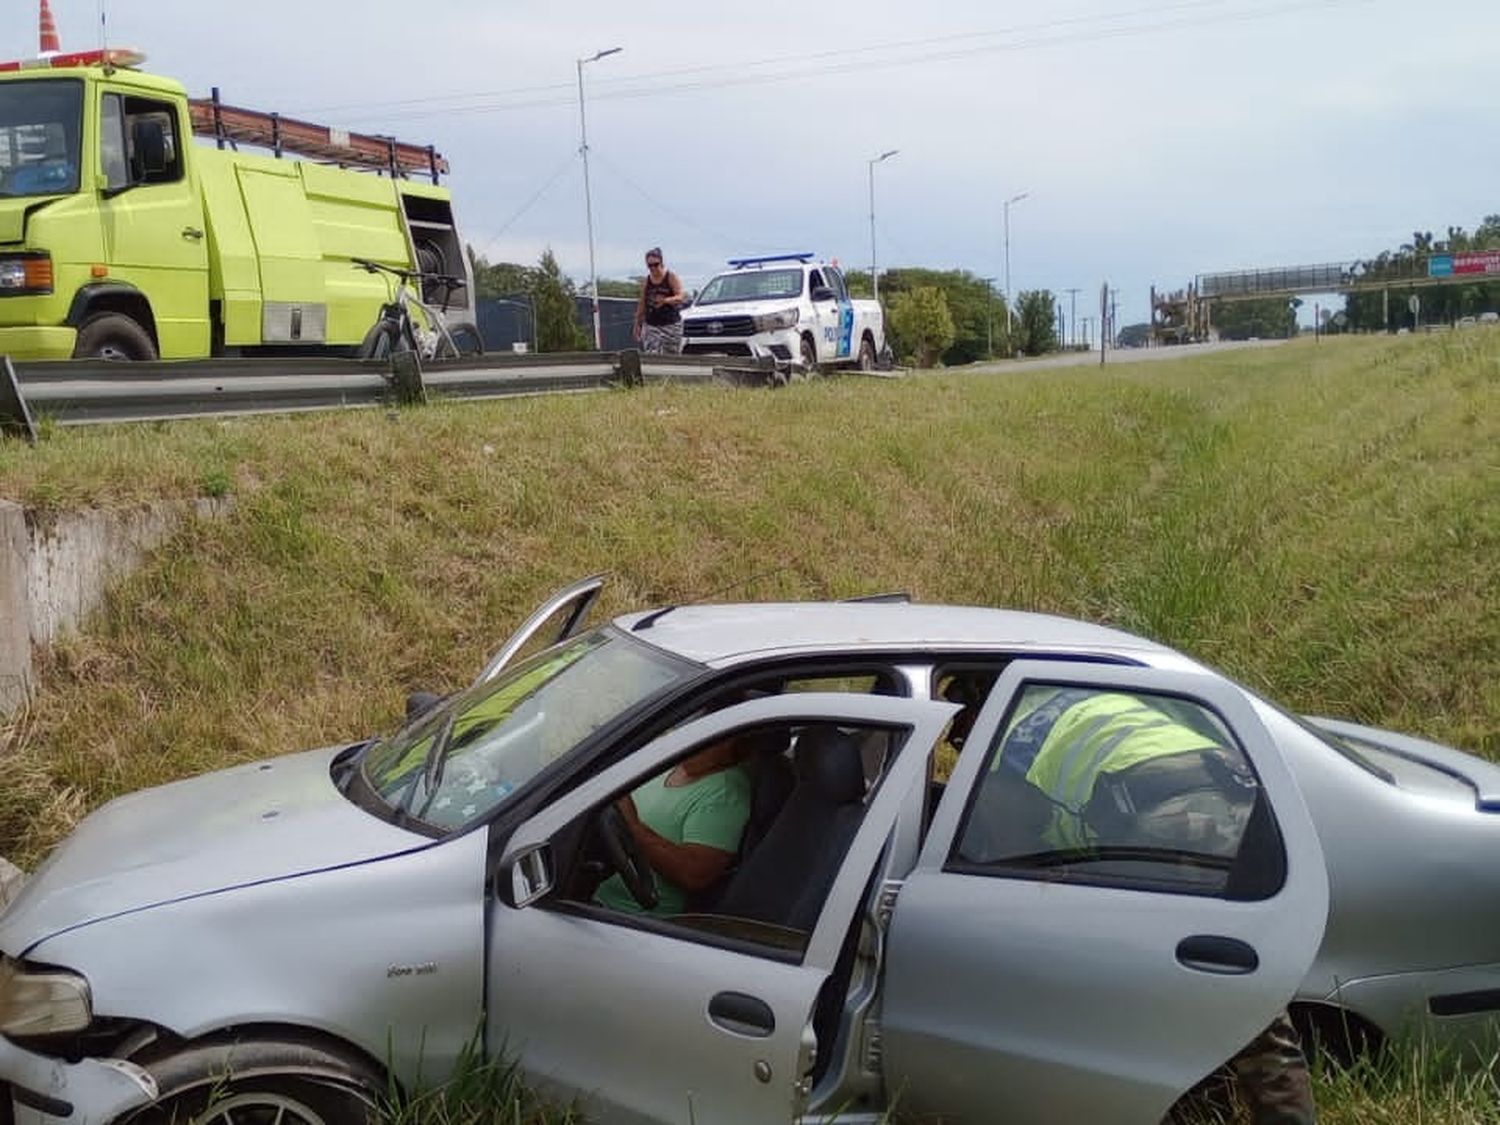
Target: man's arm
point(693, 867)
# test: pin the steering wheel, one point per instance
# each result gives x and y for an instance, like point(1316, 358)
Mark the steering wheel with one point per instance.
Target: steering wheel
point(626, 858)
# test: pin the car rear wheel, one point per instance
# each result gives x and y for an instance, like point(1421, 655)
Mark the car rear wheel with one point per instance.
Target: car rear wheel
point(867, 354)
point(110, 335)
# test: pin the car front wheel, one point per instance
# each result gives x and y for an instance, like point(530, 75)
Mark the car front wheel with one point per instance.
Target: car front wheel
point(269, 1100)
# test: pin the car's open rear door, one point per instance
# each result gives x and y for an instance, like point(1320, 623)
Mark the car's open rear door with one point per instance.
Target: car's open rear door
point(1094, 984)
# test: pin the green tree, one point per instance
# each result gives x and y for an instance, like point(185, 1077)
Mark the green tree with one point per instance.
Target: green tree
point(610, 287)
point(554, 298)
point(499, 279)
point(1034, 328)
point(977, 311)
point(1274, 318)
point(920, 323)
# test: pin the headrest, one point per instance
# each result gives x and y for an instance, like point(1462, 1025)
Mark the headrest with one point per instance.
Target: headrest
point(828, 758)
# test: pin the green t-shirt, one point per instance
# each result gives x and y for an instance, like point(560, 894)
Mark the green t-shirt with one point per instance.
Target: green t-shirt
point(711, 811)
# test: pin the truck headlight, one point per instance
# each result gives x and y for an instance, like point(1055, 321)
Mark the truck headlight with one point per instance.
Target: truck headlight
point(774, 322)
point(42, 1002)
point(24, 274)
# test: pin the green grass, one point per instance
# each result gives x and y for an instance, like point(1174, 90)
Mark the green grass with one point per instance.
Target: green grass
point(1321, 522)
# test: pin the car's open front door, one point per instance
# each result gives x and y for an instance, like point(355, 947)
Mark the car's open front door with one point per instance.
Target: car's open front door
point(1065, 950)
point(567, 609)
point(707, 1016)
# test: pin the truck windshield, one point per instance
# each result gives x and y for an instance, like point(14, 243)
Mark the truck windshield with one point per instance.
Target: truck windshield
point(41, 120)
point(463, 759)
point(751, 285)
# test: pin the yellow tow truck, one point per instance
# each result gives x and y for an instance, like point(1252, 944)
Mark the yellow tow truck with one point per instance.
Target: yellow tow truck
point(119, 238)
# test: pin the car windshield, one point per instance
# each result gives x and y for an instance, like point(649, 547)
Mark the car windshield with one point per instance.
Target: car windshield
point(463, 759)
point(40, 123)
point(751, 285)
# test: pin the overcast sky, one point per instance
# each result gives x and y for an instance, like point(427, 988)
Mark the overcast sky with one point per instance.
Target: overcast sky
point(1156, 139)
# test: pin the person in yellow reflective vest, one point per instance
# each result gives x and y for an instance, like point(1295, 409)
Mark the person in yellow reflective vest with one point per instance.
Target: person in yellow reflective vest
point(1122, 770)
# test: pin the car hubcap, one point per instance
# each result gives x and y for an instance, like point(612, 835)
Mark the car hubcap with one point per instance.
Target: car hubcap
point(258, 1108)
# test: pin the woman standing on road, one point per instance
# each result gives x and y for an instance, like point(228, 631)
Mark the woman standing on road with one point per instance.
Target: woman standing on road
point(658, 323)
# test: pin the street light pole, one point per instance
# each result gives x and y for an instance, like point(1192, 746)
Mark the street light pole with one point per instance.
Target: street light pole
point(588, 199)
point(874, 276)
point(1006, 211)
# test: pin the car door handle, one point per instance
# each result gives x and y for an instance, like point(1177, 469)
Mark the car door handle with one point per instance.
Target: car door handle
point(1210, 953)
point(742, 1014)
point(192, 232)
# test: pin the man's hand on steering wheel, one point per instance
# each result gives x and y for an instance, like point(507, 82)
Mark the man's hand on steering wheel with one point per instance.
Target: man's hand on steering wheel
point(624, 851)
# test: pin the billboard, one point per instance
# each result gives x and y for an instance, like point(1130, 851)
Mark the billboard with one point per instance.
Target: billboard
point(1474, 263)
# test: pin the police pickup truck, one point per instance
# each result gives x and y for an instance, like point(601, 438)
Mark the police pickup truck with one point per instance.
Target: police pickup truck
point(788, 306)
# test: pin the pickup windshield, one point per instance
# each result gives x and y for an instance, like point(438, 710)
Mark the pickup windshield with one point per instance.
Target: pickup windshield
point(41, 120)
point(463, 759)
point(751, 285)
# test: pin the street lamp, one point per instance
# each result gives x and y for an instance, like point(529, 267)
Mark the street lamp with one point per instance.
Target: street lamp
point(588, 199)
point(1006, 211)
point(875, 277)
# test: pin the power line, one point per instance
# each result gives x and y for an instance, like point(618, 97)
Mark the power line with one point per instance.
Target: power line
point(653, 86)
point(529, 204)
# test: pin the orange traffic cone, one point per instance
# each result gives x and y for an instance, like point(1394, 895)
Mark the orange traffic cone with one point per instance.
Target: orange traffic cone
point(50, 42)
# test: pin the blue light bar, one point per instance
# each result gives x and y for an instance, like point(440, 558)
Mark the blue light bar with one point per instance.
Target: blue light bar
point(741, 263)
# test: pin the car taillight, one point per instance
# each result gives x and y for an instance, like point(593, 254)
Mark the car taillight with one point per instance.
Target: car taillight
point(22, 274)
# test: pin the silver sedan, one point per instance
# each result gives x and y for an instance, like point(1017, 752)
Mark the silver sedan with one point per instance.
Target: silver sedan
point(929, 902)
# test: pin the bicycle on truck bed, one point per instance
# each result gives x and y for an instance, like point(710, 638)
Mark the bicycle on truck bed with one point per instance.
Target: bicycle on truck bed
point(409, 324)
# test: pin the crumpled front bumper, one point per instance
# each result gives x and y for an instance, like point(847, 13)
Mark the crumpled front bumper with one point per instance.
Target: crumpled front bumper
point(42, 1090)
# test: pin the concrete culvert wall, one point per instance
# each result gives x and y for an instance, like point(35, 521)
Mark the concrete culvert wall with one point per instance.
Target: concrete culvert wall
point(54, 572)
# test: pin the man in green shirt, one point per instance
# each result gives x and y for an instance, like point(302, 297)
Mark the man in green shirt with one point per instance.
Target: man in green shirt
point(687, 824)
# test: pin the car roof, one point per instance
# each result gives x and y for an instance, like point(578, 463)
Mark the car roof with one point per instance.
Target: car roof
point(727, 634)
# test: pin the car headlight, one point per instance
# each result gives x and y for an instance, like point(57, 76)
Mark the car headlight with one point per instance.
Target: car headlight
point(774, 322)
point(42, 1002)
point(22, 274)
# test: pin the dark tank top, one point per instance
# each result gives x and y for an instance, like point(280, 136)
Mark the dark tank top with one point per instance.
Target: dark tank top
point(656, 314)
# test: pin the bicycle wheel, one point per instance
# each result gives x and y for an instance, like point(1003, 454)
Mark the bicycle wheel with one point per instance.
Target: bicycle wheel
point(465, 340)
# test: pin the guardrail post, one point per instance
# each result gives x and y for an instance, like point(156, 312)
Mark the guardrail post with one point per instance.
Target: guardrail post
point(406, 378)
point(15, 418)
point(630, 368)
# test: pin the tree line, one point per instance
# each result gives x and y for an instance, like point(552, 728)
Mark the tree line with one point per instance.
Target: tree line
point(932, 316)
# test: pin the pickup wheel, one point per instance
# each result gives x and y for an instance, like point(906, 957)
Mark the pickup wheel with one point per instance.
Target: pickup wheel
point(109, 335)
point(866, 354)
point(809, 357)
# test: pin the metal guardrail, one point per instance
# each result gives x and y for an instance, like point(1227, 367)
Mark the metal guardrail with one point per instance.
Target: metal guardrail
point(81, 392)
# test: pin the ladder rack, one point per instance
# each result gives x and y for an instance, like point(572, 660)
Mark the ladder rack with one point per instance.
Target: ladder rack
point(232, 125)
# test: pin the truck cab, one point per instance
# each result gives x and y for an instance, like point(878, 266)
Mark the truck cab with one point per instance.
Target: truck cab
point(120, 238)
point(791, 307)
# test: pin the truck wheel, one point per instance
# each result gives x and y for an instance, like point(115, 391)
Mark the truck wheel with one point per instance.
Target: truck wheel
point(110, 335)
point(809, 358)
point(867, 354)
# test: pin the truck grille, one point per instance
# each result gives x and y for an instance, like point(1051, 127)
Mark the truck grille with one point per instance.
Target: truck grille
point(714, 326)
point(708, 348)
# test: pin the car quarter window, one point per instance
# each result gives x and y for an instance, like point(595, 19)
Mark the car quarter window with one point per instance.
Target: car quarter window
point(1119, 788)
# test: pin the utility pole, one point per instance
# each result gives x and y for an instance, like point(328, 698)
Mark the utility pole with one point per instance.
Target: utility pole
point(1103, 321)
point(874, 275)
point(1005, 210)
point(1072, 334)
point(588, 199)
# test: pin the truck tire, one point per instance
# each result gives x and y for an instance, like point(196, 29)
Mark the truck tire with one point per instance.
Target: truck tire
point(809, 357)
point(109, 335)
point(866, 354)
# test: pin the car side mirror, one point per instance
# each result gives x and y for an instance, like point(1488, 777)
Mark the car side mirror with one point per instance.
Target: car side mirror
point(529, 877)
point(822, 293)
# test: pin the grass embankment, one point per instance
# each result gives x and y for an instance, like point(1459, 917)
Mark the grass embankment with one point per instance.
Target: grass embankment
point(1321, 522)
